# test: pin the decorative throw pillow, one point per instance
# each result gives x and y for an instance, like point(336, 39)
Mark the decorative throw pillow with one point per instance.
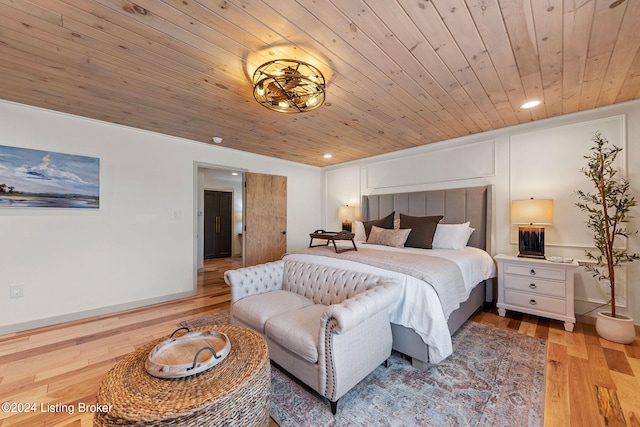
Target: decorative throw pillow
point(388, 237)
point(422, 230)
point(386, 222)
point(360, 235)
point(452, 236)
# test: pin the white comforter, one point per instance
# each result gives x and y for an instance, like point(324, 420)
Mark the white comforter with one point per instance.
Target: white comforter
point(419, 308)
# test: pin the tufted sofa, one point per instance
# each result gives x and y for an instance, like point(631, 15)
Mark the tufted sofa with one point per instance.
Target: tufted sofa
point(326, 326)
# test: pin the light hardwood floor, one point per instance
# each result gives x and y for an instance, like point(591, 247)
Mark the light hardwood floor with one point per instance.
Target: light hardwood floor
point(589, 381)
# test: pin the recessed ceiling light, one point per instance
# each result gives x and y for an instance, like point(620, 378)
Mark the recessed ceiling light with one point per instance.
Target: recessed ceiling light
point(217, 139)
point(328, 156)
point(531, 104)
point(234, 173)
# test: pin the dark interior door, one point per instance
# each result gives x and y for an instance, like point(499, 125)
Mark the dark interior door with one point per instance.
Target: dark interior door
point(217, 224)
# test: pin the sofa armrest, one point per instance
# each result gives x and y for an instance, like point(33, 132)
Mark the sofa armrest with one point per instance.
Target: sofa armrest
point(353, 311)
point(254, 280)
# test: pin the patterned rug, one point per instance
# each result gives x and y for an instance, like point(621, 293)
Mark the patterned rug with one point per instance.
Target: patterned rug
point(494, 377)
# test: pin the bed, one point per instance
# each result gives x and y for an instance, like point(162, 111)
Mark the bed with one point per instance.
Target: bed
point(426, 316)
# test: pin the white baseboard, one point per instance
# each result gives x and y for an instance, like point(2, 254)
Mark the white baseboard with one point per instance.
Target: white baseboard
point(48, 321)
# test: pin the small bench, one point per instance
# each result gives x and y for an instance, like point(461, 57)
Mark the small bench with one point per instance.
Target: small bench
point(326, 326)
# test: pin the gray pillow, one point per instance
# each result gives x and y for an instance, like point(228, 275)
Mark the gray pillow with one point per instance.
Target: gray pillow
point(422, 228)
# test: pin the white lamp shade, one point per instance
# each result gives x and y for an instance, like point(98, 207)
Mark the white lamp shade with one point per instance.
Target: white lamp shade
point(532, 211)
point(346, 213)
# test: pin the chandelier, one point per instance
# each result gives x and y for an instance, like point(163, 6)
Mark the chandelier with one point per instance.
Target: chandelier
point(288, 86)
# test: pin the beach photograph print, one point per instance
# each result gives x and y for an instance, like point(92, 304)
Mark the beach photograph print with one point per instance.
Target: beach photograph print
point(45, 179)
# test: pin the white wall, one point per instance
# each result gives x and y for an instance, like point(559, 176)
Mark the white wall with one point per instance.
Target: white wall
point(131, 251)
point(540, 159)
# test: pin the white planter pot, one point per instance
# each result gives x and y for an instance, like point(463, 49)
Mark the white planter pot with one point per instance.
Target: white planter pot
point(618, 329)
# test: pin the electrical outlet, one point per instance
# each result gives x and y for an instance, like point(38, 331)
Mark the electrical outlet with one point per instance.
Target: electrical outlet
point(16, 291)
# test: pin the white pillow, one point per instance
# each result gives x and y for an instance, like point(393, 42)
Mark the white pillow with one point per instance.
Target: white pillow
point(452, 236)
point(361, 234)
point(388, 237)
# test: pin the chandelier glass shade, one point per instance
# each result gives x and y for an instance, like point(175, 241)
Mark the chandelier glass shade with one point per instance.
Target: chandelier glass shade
point(288, 86)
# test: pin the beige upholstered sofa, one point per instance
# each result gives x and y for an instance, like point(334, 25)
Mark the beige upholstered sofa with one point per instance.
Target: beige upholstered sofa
point(326, 326)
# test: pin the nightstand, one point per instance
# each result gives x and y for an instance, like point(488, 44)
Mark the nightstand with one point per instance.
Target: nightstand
point(536, 286)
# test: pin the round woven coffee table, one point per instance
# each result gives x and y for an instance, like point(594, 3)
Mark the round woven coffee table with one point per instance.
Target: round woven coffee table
point(236, 392)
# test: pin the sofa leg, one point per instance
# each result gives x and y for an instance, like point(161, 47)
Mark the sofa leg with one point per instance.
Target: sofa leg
point(334, 406)
point(387, 363)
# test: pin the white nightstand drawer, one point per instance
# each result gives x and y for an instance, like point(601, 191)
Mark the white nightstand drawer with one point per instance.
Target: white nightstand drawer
point(534, 285)
point(535, 271)
point(535, 302)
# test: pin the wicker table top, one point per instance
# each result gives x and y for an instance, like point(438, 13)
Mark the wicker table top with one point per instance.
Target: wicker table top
point(236, 392)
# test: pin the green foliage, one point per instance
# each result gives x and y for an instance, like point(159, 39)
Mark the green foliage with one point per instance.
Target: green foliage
point(608, 209)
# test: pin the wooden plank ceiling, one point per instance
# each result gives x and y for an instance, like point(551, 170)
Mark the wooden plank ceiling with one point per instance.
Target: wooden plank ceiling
point(401, 73)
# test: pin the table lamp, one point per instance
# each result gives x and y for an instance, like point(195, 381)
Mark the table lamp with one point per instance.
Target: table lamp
point(533, 214)
point(346, 214)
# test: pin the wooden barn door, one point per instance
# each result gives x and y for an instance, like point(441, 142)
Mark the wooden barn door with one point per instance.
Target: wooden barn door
point(265, 218)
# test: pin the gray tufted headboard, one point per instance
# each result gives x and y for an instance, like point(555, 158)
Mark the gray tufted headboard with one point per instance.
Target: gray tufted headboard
point(458, 205)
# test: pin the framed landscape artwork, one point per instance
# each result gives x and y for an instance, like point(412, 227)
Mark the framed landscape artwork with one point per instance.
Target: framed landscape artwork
point(45, 179)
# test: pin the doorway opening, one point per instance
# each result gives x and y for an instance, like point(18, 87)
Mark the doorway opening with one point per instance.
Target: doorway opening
point(261, 207)
point(222, 237)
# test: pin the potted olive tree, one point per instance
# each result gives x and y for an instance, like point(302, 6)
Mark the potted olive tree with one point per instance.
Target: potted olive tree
point(608, 212)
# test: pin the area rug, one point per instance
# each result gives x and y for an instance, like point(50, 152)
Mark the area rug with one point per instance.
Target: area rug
point(494, 377)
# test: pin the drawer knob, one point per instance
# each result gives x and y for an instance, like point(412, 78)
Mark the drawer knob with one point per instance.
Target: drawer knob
point(532, 286)
point(532, 272)
point(533, 302)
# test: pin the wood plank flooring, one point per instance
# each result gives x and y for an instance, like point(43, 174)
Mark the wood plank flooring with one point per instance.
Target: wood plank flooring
point(589, 381)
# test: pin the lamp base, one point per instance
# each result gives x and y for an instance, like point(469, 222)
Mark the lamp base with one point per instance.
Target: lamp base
point(531, 242)
point(346, 226)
